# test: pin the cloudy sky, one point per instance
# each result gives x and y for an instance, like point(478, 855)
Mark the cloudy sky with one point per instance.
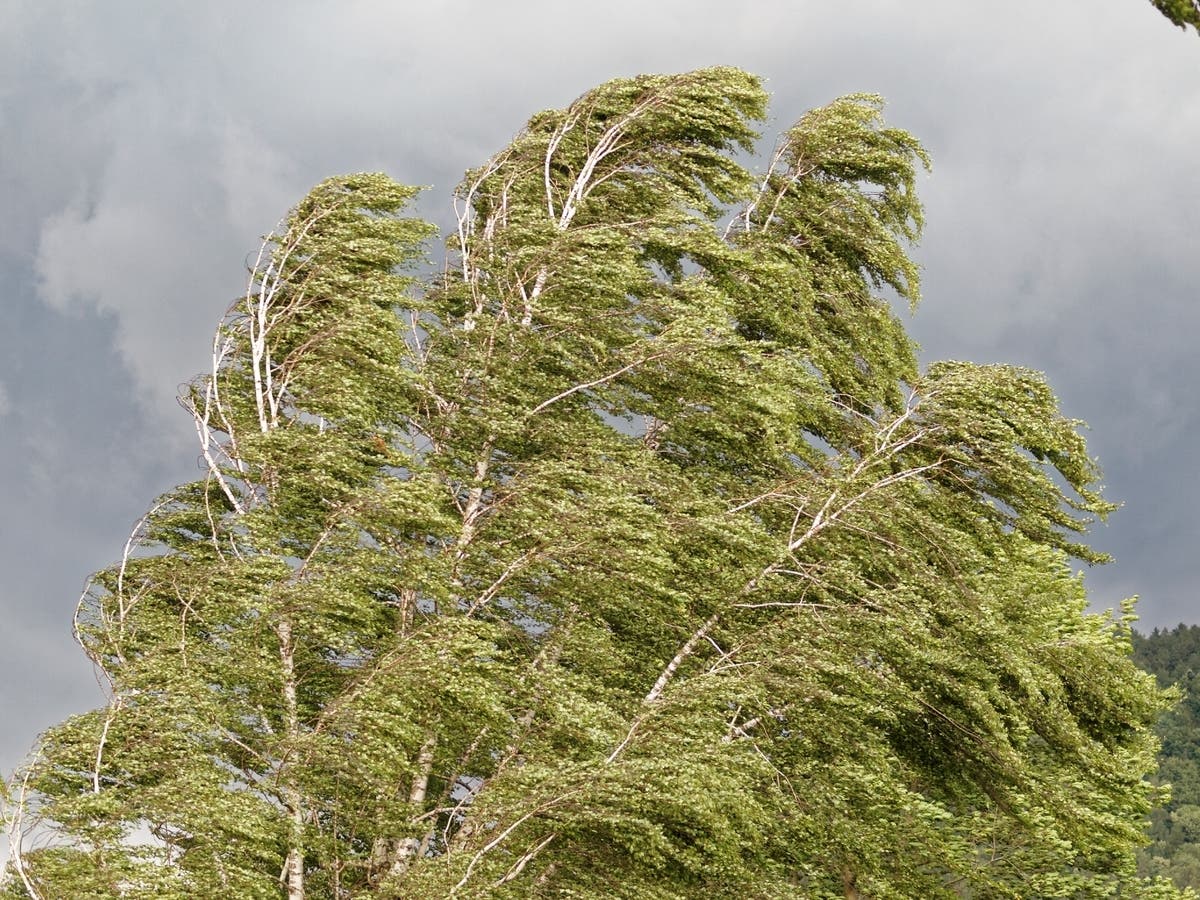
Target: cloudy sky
point(144, 148)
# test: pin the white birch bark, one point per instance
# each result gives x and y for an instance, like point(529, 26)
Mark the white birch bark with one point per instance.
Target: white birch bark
point(293, 867)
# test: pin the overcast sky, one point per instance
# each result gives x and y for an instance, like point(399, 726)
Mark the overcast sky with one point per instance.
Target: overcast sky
point(145, 147)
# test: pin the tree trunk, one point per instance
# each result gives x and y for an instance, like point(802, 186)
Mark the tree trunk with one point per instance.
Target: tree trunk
point(395, 856)
point(850, 884)
point(293, 867)
point(406, 848)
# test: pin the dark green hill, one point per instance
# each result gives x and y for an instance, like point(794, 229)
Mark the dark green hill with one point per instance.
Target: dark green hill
point(1173, 656)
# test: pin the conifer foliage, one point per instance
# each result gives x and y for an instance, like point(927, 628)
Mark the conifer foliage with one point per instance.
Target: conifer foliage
point(631, 556)
point(1173, 656)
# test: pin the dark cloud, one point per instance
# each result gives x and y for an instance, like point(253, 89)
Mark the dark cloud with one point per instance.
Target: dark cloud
point(79, 462)
point(147, 147)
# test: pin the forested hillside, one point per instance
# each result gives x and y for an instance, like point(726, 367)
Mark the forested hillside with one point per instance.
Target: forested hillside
point(1173, 656)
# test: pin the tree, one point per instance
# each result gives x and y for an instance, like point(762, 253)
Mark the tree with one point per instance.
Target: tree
point(1181, 12)
point(632, 556)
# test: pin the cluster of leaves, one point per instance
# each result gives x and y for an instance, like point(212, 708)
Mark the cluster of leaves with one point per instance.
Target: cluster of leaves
point(1173, 656)
point(1181, 12)
point(631, 557)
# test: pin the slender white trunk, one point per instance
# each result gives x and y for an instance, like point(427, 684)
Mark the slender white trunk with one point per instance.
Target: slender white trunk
point(395, 856)
point(293, 867)
point(406, 848)
point(473, 508)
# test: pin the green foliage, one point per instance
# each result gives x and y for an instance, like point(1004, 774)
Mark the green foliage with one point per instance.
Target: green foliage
point(1173, 656)
point(633, 556)
point(1181, 12)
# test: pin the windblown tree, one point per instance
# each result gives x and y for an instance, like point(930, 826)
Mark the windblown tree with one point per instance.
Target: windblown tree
point(631, 556)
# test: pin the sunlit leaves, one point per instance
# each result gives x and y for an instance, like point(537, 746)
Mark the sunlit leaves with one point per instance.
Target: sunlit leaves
point(632, 555)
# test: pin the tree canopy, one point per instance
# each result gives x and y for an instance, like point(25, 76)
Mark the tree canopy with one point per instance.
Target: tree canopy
point(632, 555)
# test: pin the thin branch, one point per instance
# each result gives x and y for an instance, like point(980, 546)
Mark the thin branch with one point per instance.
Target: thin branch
point(500, 838)
point(113, 706)
point(609, 143)
point(204, 433)
point(495, 586)
point(748, 210)
point(551, 147)
point(16, 833)
point(521, 863)
point(595, 383)
point(822, 521)
point(664, 679)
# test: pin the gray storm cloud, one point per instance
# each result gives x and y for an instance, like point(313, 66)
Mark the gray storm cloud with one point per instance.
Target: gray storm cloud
point(146, 148)
point(158, 242)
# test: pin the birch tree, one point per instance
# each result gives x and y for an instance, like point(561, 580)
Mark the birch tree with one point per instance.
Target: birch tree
point(631, 556)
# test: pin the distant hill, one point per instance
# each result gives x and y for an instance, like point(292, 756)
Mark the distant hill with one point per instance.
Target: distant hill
point(1173, 656)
